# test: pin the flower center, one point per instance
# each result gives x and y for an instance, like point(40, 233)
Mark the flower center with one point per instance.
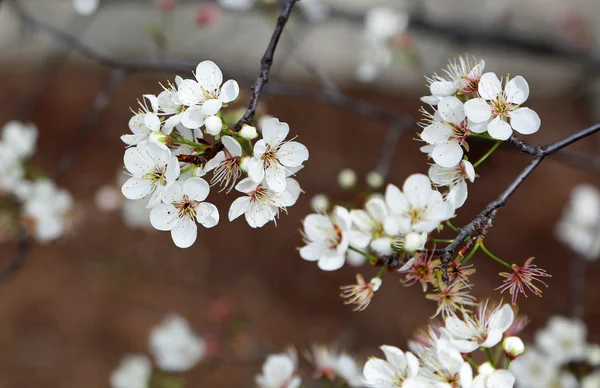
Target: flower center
point(157, 176)
point(187, 208)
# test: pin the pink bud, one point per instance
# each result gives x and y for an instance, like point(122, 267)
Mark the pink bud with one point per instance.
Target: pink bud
point(206, 15)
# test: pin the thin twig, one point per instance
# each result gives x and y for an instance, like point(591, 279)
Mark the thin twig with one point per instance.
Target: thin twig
point(265, 64)
point(20, 257)
point(98, 106)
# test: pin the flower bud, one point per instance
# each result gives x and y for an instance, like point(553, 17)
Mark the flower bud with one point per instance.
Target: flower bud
point(206, 15)
point(485, 369)
point(375, 283)
point(248, 132)
point(374, 180)
point(244, 163)
point(159, 137)
point(213, 125)
point(513, 347)
point(412, 242)
point(593, 355)
point(320, 203)
point(347, 179)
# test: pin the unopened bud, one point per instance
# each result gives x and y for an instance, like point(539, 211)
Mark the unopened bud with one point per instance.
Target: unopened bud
point(374, 180)
point(160, 138)
point(213, 125)
point(513, 347)
point(412, 242)
point(347, 179)
point(320, 203)
point(244, 163)
point(248, 132)
point(206, 15)
point(485, 369)
point(375, 283)
point(593, 355)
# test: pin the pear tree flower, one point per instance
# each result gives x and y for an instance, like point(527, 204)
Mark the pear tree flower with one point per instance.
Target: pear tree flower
point(563, 339)
point(21, 138)
point(134, 371)
point(279, 371)
point(329, 363)
point(369, 225)
point(205, 95)
point(226, 164)
point(461, 77)
point(470, 333)
point(175, 346)
point(501, 107)
point(327, 238)
point(152, 170)
point(86, 7)
point(360, 293)
point(144, 122)
point(513, 347)
point(274, 157)
point(183, 206)
point(261, 204)
point(455, 178)
point(444, 366)
point(496, 379)
point(416, 208)
point(399, 369)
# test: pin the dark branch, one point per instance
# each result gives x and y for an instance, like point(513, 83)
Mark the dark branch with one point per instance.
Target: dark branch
point(265, 64)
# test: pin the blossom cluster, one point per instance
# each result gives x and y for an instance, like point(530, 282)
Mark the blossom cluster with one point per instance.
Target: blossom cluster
point(34, 201)
point(168, 158)
point(175, 347)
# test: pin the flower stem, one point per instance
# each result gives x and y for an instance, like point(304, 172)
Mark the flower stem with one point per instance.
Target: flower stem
point(381, 271)
point(471, 254)
point(490, 254)
point(454, 228)
point(371, 258)
point(490, 151)
point(443, 241)
point(507, 363)
point(470, 360)
point(182, 140)
point(490, 357)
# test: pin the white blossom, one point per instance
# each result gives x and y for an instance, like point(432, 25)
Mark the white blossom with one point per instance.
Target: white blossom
point(374, 180)
point(399, 369)
point(86, 7)
point(469, 333)
point(347, 178)
point(501, 107)
point(579, 226)
point(213, 125)
point(496, 379)
point(237, 5)
point(416, 208)
point(274, 157)
point(152, 170)
point(591, 381)
point(205, 95)
point(534, 370)
point(21, 138)
point(183, 206)
point(563, 339)
point(513, 346)
point(134, 371)
point(320, 203)
point(279, 370)
point(248, 132)
point(108, 198)
point(175, 346)
point(327, 238)
point(144, 123)
point(369, 229)
point(329, 363)
point(261, 204)
point(226, 164)
point(460, 77)
point(444, 365)
point(455, 178)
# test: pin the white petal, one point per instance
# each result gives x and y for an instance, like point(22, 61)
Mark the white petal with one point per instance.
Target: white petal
point(478, 110)
point(256, 170)
point(313, 251)
point(436, 133)
point(396, 200)
point(136, 188)
point(193, 117)
point(229, 91)
point(196, 189)
point(477, 127)
point(174, 193)
point(489, 86)
point(442, 88)
point(417, 189)
point(377, 209)
point(458, 193)
point(451, 110)
point(517, 91)
point(152, 121)
point(233, 146)
point(163, 217)
point(238, 207)
point(137, 161)
point(447, 154)
point(274, 131)
point(292, 154)
point(331, 263)
point(207, 214)
point(209, 76)
point(184, 233)
point(211, 107)
point(499, 129)
point(246, 185)
point(214, 162)
point(502, 319)
point(525, 121)
point(173, 170)
point(190, 92)
point(275, 177)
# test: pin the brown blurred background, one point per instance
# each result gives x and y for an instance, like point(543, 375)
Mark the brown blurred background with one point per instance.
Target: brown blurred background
point(79, 304)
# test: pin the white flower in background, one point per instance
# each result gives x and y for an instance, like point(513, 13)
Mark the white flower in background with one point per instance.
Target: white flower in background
point(86, 7)
point(416, 208)
point(144, 123)
point(11, 169)
point(593, 355)
point(320, 203)
point(348, 369)
point(182, 208)
point(503, 107)
point(400, 369)
point(314, 10)
point(261, 204)
point(447, 132)
point(370, 227)
point(563, 339)
point(376, 57)
point(496, 379)
point(206, 95)
point(455, 178)
point(360, 293)
point(108, 198)
point(374, 180)
point(168, 103)
point(134, 371)
point(535, 370)
point(226, 164)
point(136, 214)
point(347, 178)
point(327, 238)
point(385, 23)
point(47, 207)
point(329, 363)
point(279, 370)
point(469, 333)
point(460, 77)
point(591, 381)
point(20, 137)
point(237, 5)
point(274, 157)
point(153, 171)
point(579, 226)
point(175, 346)
point(444, 366)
